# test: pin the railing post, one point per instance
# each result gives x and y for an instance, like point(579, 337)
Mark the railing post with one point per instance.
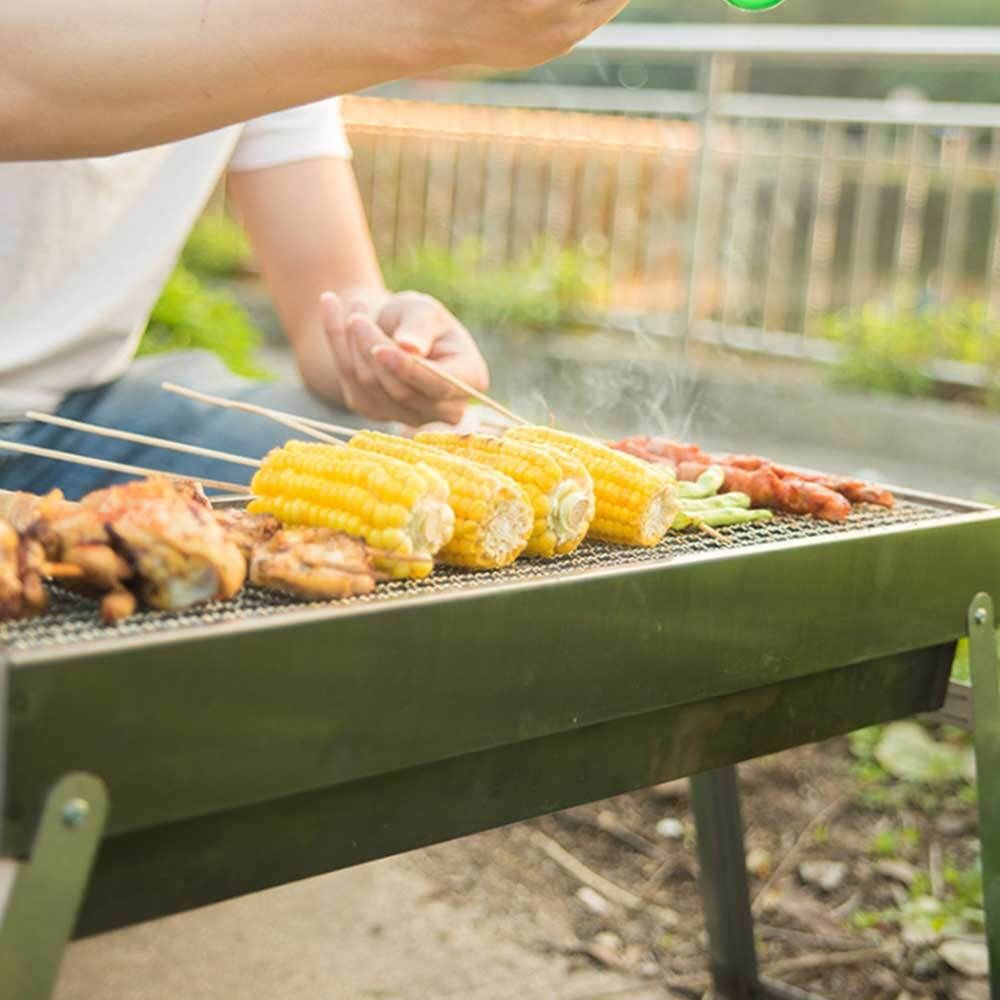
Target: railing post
point(715, 74)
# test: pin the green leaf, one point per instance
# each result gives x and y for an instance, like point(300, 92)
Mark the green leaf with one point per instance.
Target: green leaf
point(907, 751)
point(191, 316)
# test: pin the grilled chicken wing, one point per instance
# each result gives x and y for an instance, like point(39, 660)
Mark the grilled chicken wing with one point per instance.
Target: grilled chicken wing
point(180, 553)
point(22, 590)
point(313, 563)
point(246, 530)
point(73, 538)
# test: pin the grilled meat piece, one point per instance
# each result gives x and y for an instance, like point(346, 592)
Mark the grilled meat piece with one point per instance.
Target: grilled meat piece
point(769, 485)
point(180, 553)
point(22, 591)
point(313, 563)
point(156, 536)
point(246, 530)
point(68, 534)
point(855, 490)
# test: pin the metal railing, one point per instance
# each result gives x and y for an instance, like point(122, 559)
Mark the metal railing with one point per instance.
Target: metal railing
point(794, 207)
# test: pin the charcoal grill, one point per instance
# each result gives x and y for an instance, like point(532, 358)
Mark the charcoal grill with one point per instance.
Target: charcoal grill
point(261, 741)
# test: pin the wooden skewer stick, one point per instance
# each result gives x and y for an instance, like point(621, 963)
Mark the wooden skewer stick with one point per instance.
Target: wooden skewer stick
point(114, 432)
point(61, 570)
point(304, 425)
point(712, 533)
point(457, 383)
point(132, 470)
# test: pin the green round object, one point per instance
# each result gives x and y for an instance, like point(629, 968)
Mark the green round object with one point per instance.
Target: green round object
point(753, 4)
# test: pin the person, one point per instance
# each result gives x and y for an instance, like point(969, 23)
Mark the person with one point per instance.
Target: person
point(115, 133)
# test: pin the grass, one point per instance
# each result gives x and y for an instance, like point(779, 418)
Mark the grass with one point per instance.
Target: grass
point(953, 907)
point(893, 351)
point(546, 288)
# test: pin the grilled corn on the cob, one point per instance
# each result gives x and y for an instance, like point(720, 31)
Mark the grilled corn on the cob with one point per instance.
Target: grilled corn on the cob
point(400, 509)
point(558, 485)
point(635, 502)
point(493, 516)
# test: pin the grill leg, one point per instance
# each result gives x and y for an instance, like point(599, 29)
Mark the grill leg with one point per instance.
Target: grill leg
point(725, 891)
point(40, 897)
point(986, 735)
point(715, 799)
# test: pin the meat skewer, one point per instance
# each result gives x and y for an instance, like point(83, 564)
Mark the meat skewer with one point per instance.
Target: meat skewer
point(313, 563)
point(855, 490)
point(155, 539)
point(824, 496)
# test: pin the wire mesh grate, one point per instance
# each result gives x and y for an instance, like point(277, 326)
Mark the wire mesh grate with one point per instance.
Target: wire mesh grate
point(72, 620)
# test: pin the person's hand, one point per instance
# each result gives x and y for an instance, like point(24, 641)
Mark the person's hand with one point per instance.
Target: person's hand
point(373, 334)
point(517, 33)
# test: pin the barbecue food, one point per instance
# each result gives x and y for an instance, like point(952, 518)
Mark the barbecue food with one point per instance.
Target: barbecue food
point(769, 485)
point(313, 563)
point(767, 489)
point(493, 516)
point(855, 490)
point(557, 484)
point(397, 508)
point(168, 533)
point(245, 530)
point(635, 505)
point(70, 535)
point(22, 565)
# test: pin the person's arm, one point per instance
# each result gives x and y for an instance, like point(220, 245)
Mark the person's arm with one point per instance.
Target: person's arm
point(90, 79)
point(314, 249)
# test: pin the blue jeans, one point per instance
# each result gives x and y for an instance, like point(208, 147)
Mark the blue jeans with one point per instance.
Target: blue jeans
point(135, 402)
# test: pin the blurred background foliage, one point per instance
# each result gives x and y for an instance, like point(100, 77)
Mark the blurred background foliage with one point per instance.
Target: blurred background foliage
point(197, 311)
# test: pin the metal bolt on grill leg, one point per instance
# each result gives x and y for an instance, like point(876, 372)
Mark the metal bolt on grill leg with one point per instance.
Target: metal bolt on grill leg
point(75, 812)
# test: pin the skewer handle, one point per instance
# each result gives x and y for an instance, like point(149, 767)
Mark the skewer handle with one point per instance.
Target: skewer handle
point(459, 384)
point(304, 425)
point(114, 432)
point(132, 470)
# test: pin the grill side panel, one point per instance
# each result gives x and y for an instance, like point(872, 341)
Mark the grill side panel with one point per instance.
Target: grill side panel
point(147, 874)
point(216, 722)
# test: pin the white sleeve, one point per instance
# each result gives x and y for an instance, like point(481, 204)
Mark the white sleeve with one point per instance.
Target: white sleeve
point(302, 133)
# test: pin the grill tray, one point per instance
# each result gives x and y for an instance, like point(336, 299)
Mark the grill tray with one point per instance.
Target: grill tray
point(72, 620)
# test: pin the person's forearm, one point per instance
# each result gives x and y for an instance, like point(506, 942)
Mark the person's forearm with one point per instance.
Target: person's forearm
point(106, 76)
point(110, 75)
point(310, 235)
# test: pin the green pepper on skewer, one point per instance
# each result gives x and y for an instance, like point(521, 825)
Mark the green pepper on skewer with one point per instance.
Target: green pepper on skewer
point(719, 500)
point(706, 485)
point(723, 517)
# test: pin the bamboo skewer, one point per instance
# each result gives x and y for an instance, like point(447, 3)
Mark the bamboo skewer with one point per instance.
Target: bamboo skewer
point(132, 470)
point(304, 425)
point(457, 383)
point(114, 432)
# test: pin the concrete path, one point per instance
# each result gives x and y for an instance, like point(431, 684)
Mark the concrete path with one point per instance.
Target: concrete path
point(369, 933)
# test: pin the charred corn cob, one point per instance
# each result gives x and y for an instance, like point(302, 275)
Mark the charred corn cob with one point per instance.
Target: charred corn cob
point(635, 502)
point(400, 510)
point(493, 516)
point(557, 484)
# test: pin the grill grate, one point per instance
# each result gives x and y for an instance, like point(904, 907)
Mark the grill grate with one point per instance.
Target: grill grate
point(72, 619)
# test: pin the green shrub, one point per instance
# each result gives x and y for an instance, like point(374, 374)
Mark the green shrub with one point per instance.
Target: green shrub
point(547, 288)
point(893, 351)
point(190, 315)
point(217, 247)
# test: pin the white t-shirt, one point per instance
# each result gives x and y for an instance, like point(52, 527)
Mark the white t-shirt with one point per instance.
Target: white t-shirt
point(86, 245)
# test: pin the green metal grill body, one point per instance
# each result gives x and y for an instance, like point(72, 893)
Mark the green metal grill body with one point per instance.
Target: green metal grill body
point(262, 741)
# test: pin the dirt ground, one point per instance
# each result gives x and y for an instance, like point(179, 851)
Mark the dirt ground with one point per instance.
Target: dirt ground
point(595, 903)
point(805, 811)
